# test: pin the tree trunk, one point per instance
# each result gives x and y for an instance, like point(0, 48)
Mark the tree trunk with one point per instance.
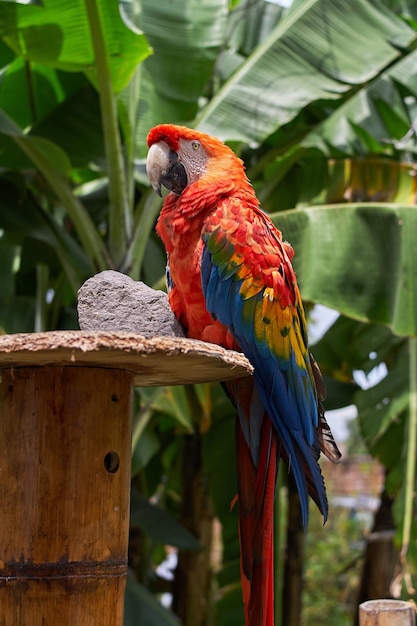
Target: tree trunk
point(380, 557)
point(294, 558)
point(193, 573)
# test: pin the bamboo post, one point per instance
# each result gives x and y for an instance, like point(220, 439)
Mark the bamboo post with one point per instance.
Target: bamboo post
point(387, 613)
point(65, 427)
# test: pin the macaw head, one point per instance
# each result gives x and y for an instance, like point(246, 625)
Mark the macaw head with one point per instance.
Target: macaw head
point(179, 156)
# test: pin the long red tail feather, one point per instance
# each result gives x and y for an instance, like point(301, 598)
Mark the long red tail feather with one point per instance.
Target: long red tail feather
point(256, 487)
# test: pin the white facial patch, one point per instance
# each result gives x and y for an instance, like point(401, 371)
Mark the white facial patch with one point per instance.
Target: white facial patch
point(193, 157)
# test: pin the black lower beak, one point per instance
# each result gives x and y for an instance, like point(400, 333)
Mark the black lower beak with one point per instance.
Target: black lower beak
point(175, 178)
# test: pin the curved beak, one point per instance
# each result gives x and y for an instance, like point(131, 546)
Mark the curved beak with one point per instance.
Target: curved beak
point(163, 167)
point(157, 164)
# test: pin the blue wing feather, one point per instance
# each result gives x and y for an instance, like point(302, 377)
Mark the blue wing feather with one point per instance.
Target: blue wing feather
point(287, 391)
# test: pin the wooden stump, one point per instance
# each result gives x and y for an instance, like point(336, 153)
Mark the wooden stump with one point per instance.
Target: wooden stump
point(65, 465)
point(387, 613)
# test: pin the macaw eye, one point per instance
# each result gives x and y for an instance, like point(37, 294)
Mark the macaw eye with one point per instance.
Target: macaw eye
point(195, 145)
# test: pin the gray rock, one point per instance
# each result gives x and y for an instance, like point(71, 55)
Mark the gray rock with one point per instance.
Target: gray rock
point(111, 301)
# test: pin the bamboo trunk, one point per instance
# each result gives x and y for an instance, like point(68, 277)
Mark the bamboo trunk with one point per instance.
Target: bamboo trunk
point(64, 495)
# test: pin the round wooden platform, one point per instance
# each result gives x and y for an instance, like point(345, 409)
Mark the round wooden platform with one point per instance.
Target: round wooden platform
point(156, 361)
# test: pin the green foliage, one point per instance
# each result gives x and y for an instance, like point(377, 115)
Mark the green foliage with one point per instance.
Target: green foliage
point(308, 67)
point(332, 569)
point(58, 34)
point(159, 525)
point(141, 607)
point(385, 232)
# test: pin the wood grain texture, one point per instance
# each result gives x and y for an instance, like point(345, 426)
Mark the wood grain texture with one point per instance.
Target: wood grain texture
point(65, 433)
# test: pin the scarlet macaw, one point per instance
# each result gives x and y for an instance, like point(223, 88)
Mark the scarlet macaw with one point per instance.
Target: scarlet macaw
point(232, 283)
